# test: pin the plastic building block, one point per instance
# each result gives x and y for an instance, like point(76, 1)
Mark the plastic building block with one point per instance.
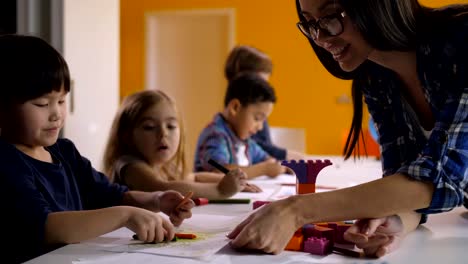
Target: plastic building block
point(296, 242)
point(317, 246)
point(314, 167)
point(326, 232)
point(299, 168)
point(303, 188)
point(200, 201)
point(322, 224)
point(306, 173)
point(257, 204)
point(308, 230)
point(340, 232)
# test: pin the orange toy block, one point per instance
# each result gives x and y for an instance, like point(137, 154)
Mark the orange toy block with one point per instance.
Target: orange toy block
point(322, 224)
point(304, 188)
point(296, 242)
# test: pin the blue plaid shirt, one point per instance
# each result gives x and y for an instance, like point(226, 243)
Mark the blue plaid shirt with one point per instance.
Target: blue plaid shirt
point(217, 141)
point(442, 67)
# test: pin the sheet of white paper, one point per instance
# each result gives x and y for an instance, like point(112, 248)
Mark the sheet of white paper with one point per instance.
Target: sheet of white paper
point(266, 193)
point(284, 192)
point(204, 246)
point(210, 238)
point(208, 223)
point(265, 180)
point(125, 258)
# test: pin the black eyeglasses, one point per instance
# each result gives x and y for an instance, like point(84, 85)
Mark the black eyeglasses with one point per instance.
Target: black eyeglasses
point(331, 25)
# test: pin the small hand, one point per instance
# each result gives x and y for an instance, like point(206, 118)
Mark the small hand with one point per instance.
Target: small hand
point(233, 182)
point(377, 237)
point(251, 188)
point(273, 168)
point(149, 226)
point(169, 203)
point(269, 229)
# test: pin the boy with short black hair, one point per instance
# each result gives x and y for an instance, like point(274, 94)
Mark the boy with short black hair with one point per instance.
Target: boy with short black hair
point(248, 102)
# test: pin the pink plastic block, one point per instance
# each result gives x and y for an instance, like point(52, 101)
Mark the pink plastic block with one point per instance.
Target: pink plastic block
point(334, 226)
point(340, 232)
point(324, 232)
point(257, 204)
point(200, 201)
point(317, 246)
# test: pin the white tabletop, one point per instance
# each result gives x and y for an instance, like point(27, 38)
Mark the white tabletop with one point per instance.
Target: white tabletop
point(444, 239)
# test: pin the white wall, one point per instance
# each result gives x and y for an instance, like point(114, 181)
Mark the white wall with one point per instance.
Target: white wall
point(91, 48)
point(186, 51)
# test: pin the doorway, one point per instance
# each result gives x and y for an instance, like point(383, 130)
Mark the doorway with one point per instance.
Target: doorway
point(185, 54)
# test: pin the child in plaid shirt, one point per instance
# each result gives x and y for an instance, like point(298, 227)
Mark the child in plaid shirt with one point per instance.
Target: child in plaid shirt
point(248, 102)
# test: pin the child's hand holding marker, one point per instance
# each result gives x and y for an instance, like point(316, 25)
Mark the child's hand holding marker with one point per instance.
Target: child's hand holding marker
point(233, 182)
point(176, 206)
point(176, 236)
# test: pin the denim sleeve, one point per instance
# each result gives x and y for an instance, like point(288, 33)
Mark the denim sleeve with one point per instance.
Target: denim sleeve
point(257, 154)
point(214, 146)
point(263, 139)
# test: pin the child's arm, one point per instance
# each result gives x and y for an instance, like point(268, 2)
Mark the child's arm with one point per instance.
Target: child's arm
point(269, 167)
point(168, 202)
point(75, 226)
point(295, 155)
point(140, 176)
point(217, 177)
point(205, 176)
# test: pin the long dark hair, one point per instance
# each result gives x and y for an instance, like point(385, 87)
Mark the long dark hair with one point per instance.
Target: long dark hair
point(386, 25)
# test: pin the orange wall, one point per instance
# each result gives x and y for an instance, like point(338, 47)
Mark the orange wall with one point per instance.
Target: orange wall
point(307, 93)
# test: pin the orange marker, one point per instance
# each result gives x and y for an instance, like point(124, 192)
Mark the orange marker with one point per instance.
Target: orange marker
point(185, 236)
point(186, 198)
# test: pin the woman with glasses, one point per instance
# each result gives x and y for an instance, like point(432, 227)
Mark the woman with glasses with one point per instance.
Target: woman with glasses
point(409, 64)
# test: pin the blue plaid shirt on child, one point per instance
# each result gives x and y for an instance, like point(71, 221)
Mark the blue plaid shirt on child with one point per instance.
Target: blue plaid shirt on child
point(218, 142)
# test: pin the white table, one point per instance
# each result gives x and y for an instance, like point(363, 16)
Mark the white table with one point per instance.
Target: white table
point(444, 239)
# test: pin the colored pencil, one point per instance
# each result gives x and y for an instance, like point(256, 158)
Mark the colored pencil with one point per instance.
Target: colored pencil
point(186, 198)
point(230, 201)
point(218, 166)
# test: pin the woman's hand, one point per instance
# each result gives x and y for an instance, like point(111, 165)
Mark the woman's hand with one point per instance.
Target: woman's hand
point(269, 229)
point(377, 237)
point(170, 204)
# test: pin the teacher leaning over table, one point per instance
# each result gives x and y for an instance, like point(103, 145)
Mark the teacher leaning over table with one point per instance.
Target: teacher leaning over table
point(409, 65)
